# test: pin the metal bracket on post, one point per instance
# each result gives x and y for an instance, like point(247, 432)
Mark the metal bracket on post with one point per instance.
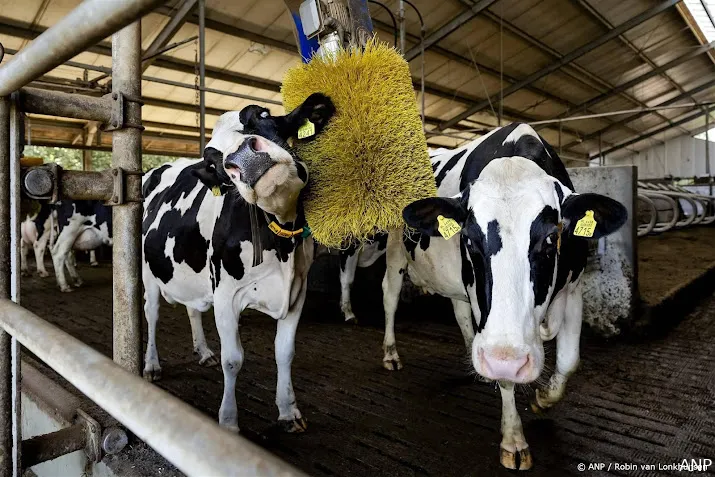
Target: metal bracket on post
point(119, 176)
point(93, 447)
point(118, 117)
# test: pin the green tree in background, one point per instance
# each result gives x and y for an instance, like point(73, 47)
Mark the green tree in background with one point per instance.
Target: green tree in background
point(72, 158)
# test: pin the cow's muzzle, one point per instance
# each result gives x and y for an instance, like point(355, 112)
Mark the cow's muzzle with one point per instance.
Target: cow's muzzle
point(251, 159)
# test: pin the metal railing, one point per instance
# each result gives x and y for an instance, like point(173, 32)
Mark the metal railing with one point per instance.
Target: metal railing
point(666, 204)
point(189, 440)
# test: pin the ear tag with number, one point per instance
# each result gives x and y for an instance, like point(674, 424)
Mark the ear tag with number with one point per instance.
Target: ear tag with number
point(586, 226)
point(306, 130)
point(447, 227)
point(216, 190)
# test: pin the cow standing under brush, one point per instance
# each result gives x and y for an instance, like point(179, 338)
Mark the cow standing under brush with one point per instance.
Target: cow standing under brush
point(38, 230)
point(242, 246)
point(514, 264)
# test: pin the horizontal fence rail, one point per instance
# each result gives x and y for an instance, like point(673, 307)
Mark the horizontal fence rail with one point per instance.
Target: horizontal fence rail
point(188, 439)
point(86, 25)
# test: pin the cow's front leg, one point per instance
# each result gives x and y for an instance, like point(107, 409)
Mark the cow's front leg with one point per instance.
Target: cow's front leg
point(347, 276)
point(152, 368)
point(391, 287)
point(231, 359)
point(514, 451)
point(463, 314)
point(206, 356)
point(93, 259)
point(567, 353)
point(289, 417)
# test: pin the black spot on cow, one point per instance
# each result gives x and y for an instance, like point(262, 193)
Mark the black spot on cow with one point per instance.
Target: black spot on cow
point(41, 218)
point(381, 241)
point(435, 165)
point(153, 180)
point(542, 252)
point(559, 192)
point(410, 239)
point(95, 212)
point(448, 167)
point(424, 241)
point(481, 249)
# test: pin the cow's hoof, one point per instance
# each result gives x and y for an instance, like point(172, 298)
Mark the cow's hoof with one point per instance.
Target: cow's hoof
point(78, 283)
point(293, 426)
point(392, 364)
point(43, 274)
point(94, 264)
point(351, 320)
point(152, 374)
point(231, 428)
point(66, 289)
point(209, 361)
point(25, 273)
point(519, 460)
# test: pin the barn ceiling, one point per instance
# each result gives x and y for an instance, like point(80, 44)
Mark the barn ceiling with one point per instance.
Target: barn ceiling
point(525, 60)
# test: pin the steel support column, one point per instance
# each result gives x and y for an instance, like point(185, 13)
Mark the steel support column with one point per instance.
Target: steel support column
point(202, 75)
point(707, 148)
point(126, 250)
point(170, 30)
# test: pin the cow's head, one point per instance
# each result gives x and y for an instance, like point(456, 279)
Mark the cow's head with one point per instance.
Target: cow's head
point(516, 221)
point(249, 149)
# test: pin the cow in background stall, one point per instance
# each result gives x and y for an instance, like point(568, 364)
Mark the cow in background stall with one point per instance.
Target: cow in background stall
point(227, 231)
point(83, 225)
point(507, 241)
point(39, 231)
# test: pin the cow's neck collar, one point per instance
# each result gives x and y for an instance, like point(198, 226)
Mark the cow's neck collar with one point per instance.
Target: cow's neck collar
point(296, 228)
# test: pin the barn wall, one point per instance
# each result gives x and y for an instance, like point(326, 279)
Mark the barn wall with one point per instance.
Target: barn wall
point(682, 156)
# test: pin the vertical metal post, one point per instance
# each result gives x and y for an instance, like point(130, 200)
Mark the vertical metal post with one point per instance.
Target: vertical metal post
point(402, 26)
point(561, 150)
point(600, 151)
point(202, 75)
point(6, 384)
point(126, 250)
point(16, 147)
point(707, 148)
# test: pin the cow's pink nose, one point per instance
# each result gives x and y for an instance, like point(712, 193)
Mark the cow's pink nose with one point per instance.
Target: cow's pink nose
point(507, 366)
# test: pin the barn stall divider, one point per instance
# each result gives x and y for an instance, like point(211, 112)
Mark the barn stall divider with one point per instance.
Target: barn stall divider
point(188, 439)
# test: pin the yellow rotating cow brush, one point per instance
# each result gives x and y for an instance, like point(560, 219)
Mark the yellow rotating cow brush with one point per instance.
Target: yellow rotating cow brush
point(371, 161)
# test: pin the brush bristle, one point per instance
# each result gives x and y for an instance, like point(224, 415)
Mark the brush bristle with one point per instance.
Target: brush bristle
point(371, 161)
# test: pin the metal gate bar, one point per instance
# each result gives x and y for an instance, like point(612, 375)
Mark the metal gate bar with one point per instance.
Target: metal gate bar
point(187, 438)
point(6, 382)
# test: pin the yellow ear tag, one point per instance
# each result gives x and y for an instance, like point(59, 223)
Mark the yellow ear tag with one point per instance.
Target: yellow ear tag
point(586, 225)
point(216, 190)
point(447, 227)
point(306, 130)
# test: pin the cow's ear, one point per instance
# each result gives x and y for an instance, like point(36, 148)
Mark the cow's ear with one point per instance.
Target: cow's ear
point(608, 214)
point(424, 214)
point(210, 171)
point(317, 108)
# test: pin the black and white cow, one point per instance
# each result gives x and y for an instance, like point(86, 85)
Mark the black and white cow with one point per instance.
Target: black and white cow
point(84, 225)
point(38, 231)
point(514, 264)
point(236, 248)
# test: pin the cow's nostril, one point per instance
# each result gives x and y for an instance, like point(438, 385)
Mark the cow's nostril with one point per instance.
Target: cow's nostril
point(253, 144)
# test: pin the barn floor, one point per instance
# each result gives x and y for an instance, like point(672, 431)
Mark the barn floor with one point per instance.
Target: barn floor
point(651, 401)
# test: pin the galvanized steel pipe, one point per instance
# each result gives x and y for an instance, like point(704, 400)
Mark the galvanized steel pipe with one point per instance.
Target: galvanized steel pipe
point(89, 23)
point(126, 250)
point(184, 436)
point(66, 105)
